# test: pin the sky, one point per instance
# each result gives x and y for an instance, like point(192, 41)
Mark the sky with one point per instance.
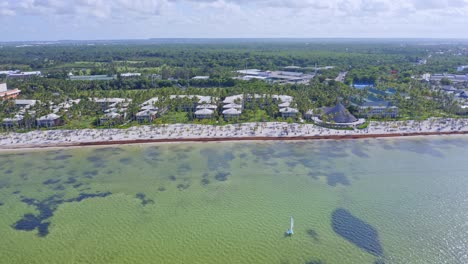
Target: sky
point(29, 20)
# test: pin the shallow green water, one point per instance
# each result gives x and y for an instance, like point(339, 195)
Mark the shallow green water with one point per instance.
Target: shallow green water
point(363, 201)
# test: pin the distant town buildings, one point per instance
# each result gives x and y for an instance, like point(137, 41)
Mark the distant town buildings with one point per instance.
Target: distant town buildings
point(201, 78)
point(21, 75)
point(130, 74)
point(454, 78)
point(92, 78)
point(281, 77)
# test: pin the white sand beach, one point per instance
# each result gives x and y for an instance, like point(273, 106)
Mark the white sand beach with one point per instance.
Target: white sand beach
point(176, 132)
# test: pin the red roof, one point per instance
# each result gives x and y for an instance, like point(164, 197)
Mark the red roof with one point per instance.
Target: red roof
point(10, 93)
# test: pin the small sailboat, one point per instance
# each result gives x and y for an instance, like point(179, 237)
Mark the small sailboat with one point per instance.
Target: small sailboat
point(290, 231)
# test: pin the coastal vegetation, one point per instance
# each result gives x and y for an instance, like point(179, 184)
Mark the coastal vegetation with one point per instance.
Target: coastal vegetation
point(168, 69)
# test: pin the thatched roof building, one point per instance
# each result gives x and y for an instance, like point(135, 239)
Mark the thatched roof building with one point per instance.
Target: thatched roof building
point(337, 114)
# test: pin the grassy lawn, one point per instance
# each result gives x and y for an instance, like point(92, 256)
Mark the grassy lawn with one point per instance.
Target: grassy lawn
point(173, 118)
point(82, 123)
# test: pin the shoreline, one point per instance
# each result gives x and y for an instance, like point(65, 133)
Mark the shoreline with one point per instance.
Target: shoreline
point(223, 139)
point(267, 131)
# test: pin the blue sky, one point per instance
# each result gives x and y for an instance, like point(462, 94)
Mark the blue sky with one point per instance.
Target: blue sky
point(139, 19)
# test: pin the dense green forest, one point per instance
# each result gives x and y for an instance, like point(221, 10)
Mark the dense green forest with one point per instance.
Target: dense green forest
point(384, 65)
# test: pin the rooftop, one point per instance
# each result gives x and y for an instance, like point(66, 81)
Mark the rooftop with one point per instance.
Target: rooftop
point(232, 111)
point(201, 78)
point(204, 111)
point(382, 104)
point(288, 110)
point(339, 114)
point(49, 117)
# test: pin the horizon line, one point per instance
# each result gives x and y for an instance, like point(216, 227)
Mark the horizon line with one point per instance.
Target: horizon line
point(242, 38)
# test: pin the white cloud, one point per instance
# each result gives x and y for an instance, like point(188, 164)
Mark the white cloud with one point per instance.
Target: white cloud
point(5, 9)
point(244, 18)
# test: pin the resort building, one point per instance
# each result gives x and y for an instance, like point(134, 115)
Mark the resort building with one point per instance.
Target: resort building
point(288, 112)
point(109, 117)
point(337, 116)
point(207, 106)
point(234, 99)
point(189, 103)
point(378, 109)
point(25, 104)
point(231, 113)
point(50, 120)
point(204, 114)
point(146, 115)
point(233, 105)
point(17, 120)
point(105, 103)
point(8, 94)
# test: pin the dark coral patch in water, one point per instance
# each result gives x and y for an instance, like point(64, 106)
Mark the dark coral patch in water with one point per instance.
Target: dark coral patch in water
point(205, 182)
point(152, 154)
point(161, 189)
point(51, 181)
point(59, 187)
point(46, 209)
point(314, 175)
point(183, 186)
point(336, 178)
point(43, 229)
point(292, 164)
point(217, 159)
point(1, 203)
point(84, 196)
point(315, 262)
point(108, 150)
point(16, 192)
point(126, 161)
point(8, 171)
point(143, 199)
point(29, 222)
point(62, 157)
point(222, 176)
point(313, 234)
point(172, 178)
point(97, 162)
point(359, 152)
point(184, 168)
point(356, 231)
point(90, 174)
point(24, 176)
point(181, 156)
point(78, 185)
point(70, 180)
point(243, 155)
